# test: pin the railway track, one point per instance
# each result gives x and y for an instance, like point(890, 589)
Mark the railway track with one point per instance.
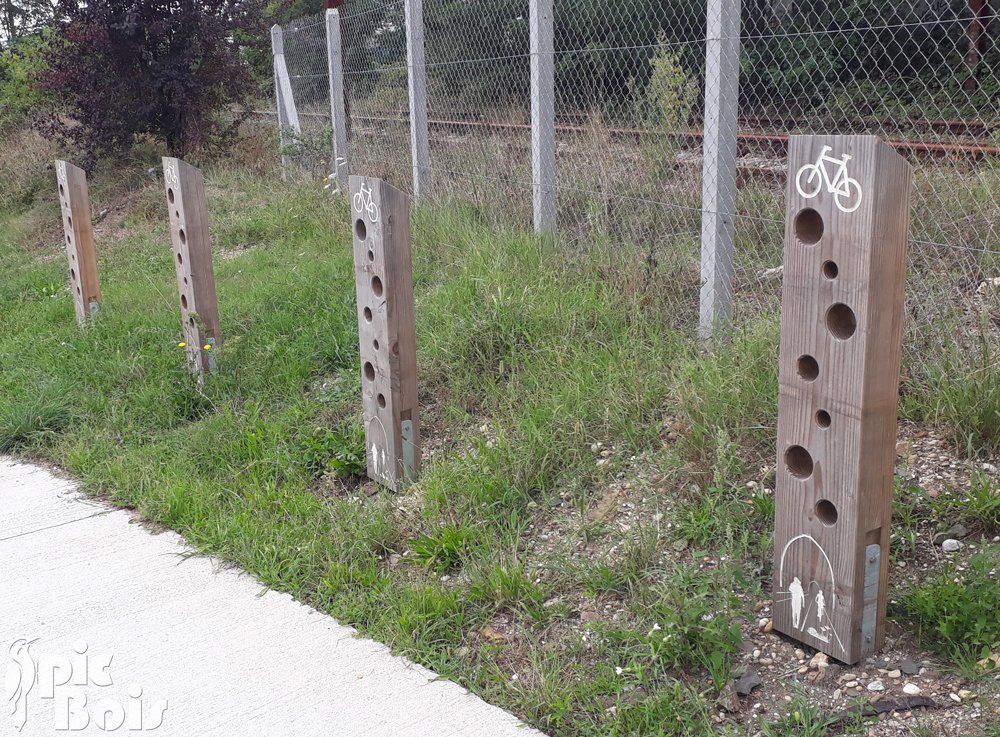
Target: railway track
point(756, 140)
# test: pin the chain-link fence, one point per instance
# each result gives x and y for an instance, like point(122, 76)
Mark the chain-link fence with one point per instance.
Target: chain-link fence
point(630, 103)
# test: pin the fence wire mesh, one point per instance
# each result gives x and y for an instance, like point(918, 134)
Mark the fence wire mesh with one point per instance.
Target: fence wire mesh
point(631, 99)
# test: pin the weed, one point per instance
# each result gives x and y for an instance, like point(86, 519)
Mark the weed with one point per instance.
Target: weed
point(340, 451)
point(444, 548)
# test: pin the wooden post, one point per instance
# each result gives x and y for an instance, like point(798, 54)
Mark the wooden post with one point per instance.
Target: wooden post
point(384, 277)
point(848, 211)
point(80, 252)
point(338, 111)
point(718, 180)
point(192, 250)
point(543, 116)
point(417, 76)
point(288, 117)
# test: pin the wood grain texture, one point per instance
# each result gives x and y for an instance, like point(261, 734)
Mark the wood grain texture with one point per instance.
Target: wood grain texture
point(74, 201)
point(380, 219)
point(192, 249)
point(842, 306)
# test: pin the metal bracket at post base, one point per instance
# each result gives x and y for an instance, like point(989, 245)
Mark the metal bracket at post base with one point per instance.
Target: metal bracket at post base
point(406, 432)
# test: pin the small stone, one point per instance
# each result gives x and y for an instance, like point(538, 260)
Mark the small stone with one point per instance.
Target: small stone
point(909, 668)
point(851, 684)
point(803, 670)
point(769, 626)
point(849, 677)
point(951, 546)
point(762, 623)
point(679, 546)
point(836, 695)
point(765, 661)
point(876, 686)
point(955, 697)
point(954, 532)
point(819, 660)
point(966, 695)
point(729, 699)
point(911, 689)
point(800, 654)
point(747, 683)
point(894, 674)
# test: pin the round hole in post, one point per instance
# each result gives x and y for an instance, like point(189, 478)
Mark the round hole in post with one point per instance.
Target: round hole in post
point(376, 286)
point(185, 281)
point(69, 220)
point(830, 270)
point(368, 314)
point(826, 512)
point(823, 418)
point(381, 400)
point(360, 229)
point(69, 241)
point(371, 255)
point(191, 321)
point(177, 214)
point(182, 235)
point(808, 367)
point(62, 191)
point(170, 195)
point(808, 226)
point(184, 301)
point(180, 258)
point(369, 371)
point(375, 344)
point(78, 290)
point(799, 462)
point(72, 274)
point(841, 321)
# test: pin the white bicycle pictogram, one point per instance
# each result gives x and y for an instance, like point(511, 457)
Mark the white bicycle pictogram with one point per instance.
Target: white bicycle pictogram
point(845, 189)
point(363, 203)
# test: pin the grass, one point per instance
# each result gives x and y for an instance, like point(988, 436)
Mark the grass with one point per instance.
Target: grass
point(530, 357)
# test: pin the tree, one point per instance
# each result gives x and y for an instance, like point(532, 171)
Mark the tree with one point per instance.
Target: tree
point(168, 68)
point(20, 18)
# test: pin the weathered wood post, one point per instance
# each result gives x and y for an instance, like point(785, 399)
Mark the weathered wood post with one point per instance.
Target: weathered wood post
point(848, 210)
point(192, 250)
point(384, 276)
point(74, 201)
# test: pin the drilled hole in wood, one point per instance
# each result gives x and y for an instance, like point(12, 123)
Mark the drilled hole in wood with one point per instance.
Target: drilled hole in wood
point(826, 512)
point(78, 290)
point(381, 400)
point(371, 255)
point(841, 322)
point(376, 286)
point(72, 274)
point(69, 241)
point(191, 321)
point(808, 367)
point(62, 191)
point(369, 371)
point(184, 301)
point(360, 229)
point(180, 258)
point(375, 344)
point(798, 462)
point(830, 269)
point(177, 214)
point(182, 235)
point(808, 226)
point(368, 314)
point(69, 220)
point(823, 418)
point(170, 195)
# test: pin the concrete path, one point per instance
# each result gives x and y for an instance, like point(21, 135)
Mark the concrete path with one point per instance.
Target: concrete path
point(101, 622)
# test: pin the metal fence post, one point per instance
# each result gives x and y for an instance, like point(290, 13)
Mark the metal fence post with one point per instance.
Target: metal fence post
point(417, 75)
point(338, 111)
point(543, 116)
point(718, 226)
point(288, 118)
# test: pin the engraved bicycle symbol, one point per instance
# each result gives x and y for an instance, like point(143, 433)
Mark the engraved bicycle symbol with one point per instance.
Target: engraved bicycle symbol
point(363, 203)
point(845, 189)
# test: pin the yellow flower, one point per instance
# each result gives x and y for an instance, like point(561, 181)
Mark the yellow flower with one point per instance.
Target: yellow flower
point(181, 344)
point(208, 346)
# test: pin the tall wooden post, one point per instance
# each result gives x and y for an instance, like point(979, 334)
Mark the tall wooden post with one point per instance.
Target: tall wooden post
point(192, 250)
point(848, 211)
point(384, 276)
point(74, 201)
